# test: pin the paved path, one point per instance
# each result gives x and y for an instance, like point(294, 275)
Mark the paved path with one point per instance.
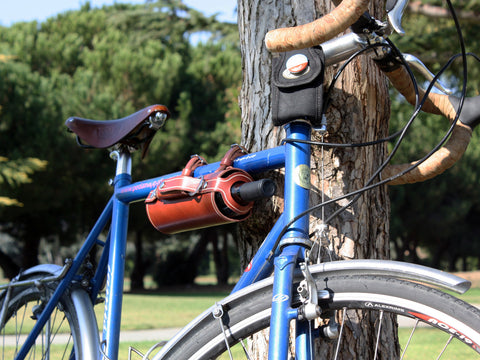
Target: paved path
point(148, 335)
point(125, 336)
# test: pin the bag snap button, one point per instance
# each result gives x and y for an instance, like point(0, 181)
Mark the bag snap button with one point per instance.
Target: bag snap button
point(297, 64)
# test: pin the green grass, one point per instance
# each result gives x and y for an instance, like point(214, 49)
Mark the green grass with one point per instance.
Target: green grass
point(176, 309)
point(151, 311)
point(472, 296)
point(164, 310)
point(428, 342)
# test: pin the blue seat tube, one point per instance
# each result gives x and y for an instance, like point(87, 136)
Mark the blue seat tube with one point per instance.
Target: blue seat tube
point(116, 261)
point(296, 201)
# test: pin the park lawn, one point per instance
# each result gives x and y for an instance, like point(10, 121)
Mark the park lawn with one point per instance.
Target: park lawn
point(163, 310)
point(426, 344)
point(176, 309)
point(472, 296)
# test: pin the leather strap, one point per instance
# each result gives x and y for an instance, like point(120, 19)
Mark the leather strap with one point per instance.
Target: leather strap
point(186, 185)
point(178, 187)
point(194, 162)
point(234, 152)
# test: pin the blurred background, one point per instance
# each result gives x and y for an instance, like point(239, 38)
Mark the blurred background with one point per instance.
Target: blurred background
point(108, 59)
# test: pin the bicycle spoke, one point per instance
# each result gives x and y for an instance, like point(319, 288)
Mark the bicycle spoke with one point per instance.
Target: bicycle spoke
point(244, 349)
point(66, 347)
point(50, 336)
point(340, 334)
point(48, 339)
point(378, 334)
point(409, 339)
point(445, 347)
point(18, 330)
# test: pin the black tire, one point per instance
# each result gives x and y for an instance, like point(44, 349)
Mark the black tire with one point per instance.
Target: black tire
point(249, 311)
point(24, 306)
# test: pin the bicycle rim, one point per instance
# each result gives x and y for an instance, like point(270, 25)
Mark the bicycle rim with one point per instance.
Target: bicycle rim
point(431, 324)
point(59, 339)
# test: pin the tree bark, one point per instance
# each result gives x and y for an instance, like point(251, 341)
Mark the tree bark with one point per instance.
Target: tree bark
point(139, 266)
point(9, 267)
point(359, 113)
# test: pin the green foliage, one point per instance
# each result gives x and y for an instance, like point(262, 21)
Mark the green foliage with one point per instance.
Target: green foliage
point(440, 215)
point(110, 62)
point(435, 40)
point(104, 64)
point(17, 172)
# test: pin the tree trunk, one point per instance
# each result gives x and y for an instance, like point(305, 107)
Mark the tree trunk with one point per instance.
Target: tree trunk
point(31, 243)
point(9, 267)
point(139, 266)
point(222, 266)
point(359, 113)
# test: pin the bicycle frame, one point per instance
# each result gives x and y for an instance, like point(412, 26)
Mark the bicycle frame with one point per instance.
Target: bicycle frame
point(282, 259)
point(294, 157)
point(281, 256)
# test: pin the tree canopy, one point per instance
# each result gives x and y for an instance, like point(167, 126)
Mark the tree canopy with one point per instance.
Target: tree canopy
point(433, 222)
point(105, 63)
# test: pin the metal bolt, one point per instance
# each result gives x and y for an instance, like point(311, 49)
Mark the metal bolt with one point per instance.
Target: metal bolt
point(218, 311)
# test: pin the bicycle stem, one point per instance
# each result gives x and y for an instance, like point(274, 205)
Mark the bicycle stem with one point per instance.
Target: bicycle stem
point(346, 46)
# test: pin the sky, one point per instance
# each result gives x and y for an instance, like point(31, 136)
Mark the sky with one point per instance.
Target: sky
point(12, 11)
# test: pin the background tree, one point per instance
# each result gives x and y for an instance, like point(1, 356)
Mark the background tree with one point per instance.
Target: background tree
point(14, 173)
point(359, 112)
point(357, 116)
point(102, 64)
point(432, 222)
point(106, 63)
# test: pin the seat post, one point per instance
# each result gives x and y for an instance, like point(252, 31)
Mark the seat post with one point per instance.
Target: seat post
point(124, 162)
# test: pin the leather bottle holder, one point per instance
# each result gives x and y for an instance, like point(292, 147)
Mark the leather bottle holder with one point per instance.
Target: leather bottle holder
point(183, 202)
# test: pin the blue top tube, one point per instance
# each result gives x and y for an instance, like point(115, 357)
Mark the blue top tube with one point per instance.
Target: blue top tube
point(252, 163)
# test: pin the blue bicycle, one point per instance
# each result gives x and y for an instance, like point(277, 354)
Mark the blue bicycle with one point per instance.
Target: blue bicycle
point(47, 311)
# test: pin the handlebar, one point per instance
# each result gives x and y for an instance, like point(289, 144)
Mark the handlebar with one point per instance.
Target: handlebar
point(321, 31)
point(318, 31)
point(438, 104)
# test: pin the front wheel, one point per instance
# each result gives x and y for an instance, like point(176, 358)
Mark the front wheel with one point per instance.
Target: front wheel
point(429, 323)
point(61, 337)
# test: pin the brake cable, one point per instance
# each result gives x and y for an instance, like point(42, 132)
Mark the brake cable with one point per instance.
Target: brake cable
point(369, 186)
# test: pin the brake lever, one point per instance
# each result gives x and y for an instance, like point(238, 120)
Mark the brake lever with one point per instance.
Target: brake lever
point(395, 9)
point(418, 65)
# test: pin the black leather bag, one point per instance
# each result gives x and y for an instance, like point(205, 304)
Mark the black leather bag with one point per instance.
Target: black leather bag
point(297, 82)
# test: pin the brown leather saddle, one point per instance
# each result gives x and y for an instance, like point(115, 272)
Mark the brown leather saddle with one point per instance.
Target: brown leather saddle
point(135, 131)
